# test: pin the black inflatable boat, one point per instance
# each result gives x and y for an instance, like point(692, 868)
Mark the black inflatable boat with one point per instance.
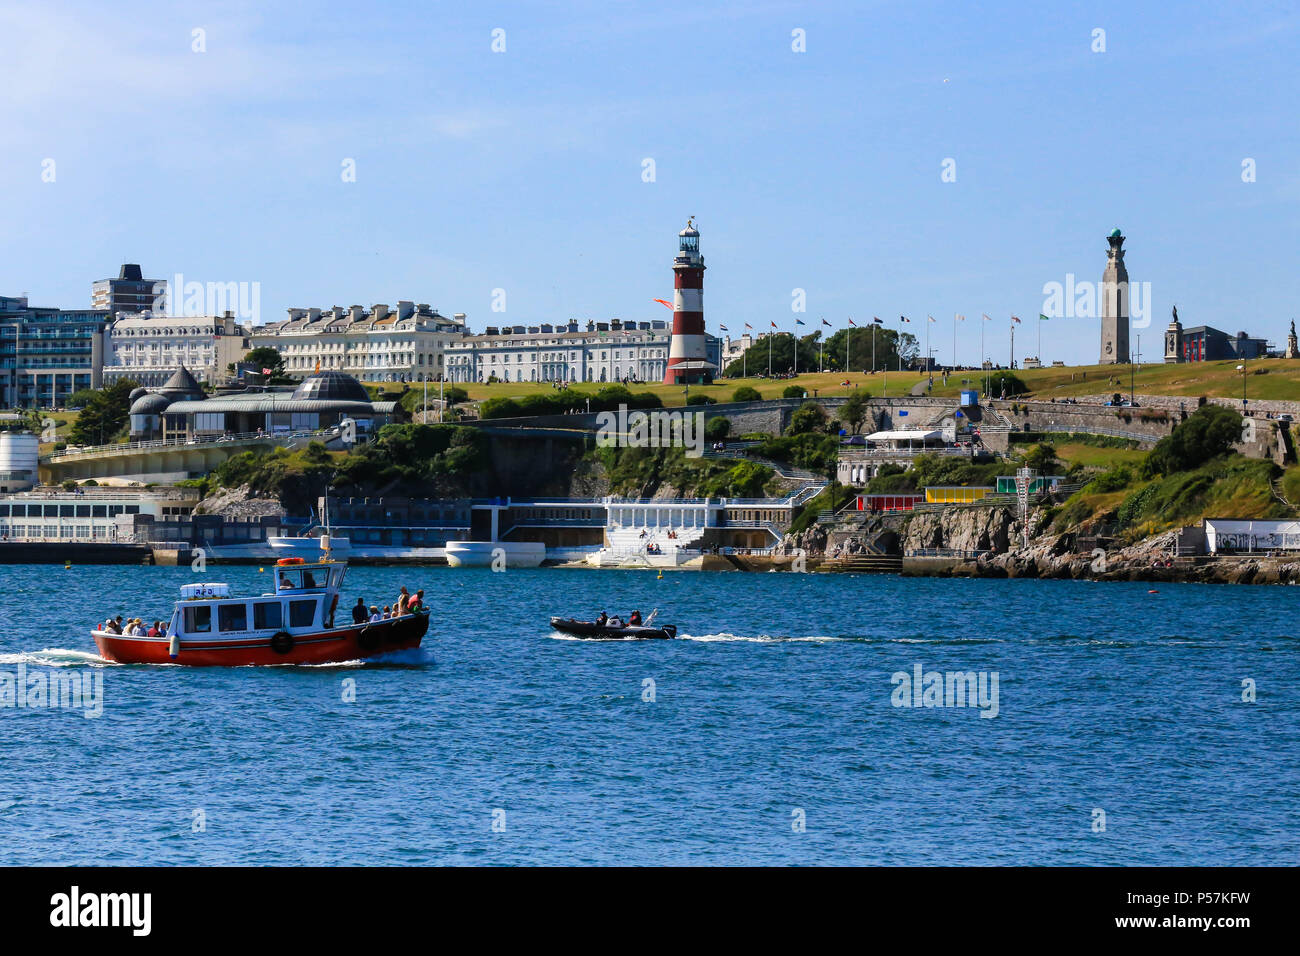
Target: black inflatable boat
point(604, 632)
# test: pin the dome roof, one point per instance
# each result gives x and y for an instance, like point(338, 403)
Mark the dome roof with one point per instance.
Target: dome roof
point(1115, 233)
point(150, 403)
point(332, 385)
point(136, 393)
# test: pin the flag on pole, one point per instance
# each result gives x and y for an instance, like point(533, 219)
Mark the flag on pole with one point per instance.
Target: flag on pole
point(1015, 319)
point(986, 317)
point(1043, 317)
point(773, 325)
point(852, 323)
point(748, 326)
point(665, 303)
point(824, 322)
point(876, 319)
point(903, 318)
point(724, 328)
point(798, 322)
point(959, 317)
point(930, 317)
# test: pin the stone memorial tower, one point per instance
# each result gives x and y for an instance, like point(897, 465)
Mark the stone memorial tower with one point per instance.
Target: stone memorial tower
point(1114, 304)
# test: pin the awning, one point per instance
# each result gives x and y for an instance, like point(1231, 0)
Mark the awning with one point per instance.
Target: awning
point(913, 435)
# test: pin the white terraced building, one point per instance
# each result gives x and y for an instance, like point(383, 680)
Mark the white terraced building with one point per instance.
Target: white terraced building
point(611, 351)
point(375, 345)
point(148, 347)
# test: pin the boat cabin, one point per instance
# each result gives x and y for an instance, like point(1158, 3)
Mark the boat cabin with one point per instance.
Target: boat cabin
point(304, 601)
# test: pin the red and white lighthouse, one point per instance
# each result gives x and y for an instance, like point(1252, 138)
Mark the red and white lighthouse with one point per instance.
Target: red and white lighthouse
point(688, 356)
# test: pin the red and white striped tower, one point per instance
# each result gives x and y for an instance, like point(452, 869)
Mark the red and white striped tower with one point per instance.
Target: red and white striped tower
point(688, 347)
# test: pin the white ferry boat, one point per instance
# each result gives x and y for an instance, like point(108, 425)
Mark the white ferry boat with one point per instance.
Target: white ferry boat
point(293, 625)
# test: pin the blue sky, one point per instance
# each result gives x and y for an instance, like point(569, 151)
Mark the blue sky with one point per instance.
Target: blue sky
point(523, 170)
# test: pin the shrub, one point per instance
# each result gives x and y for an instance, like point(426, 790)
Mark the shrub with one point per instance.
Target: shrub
point(793, 391)
point(701, 400)
point(746, 393)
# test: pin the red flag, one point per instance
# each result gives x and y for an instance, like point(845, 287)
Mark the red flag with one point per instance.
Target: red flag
point(1015, 319)
point(852, 323)
point(665, 304)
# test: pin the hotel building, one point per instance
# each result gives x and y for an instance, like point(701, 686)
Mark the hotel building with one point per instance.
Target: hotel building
point(375, 345)
point(47, 354)
point(148, 348)
point(600, 352)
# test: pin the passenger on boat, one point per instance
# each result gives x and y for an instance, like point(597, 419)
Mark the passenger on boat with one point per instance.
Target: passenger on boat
point(416, 603)
point(113, 625)
point(374, 614)
point(601, 619)
point(285, 584)
point(403, 599)
point(359, 613)
point(635, 619)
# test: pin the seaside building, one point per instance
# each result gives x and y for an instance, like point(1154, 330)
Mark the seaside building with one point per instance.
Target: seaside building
point(130, 292)
point(87, 514)
point(374, 345)
point(610, 351)
point(148, 347)
point(180, 410)
point(1114, 304)
point(688, 353)
point(46, 354)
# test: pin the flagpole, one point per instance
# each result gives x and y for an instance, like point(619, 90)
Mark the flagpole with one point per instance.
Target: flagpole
point(848, 344)
point(821, 348)
point(769, 354)
point(873, 346)
point(1040, 341)
point(954, 340)
point(795, 336)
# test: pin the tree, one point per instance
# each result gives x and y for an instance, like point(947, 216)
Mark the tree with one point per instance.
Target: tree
point(264, 356)
point(854, 411)
point(717, 428)
point(1042, 458)
point(808, 417)
point(104, 415)
point(782, 348)
point(1210, 432)
point(850, 349)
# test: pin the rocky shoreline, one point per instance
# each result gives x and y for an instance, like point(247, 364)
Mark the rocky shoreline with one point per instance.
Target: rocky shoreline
point(982, 542)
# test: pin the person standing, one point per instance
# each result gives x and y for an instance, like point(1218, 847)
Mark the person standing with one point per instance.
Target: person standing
point(359, 613)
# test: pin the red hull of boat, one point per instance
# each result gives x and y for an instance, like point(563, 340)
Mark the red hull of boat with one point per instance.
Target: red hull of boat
point(323, 647)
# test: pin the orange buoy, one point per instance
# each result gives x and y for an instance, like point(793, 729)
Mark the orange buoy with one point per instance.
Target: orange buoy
point(284, 561)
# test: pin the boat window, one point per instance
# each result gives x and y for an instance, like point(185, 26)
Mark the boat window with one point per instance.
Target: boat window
point(198, 619)
point(232, 617)
point(302, 613)
point(336, 577)
point(268, 614)
point(288, 580)
point(309, 580)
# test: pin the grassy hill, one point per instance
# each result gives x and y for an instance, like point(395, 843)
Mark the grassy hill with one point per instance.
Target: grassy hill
point(1277, 379)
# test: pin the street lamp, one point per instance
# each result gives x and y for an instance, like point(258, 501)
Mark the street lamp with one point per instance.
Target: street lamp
point(1242, 369)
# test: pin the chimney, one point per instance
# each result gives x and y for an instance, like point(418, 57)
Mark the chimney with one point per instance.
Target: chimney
point(405, 308)
point(379, 310)
point(356, 313)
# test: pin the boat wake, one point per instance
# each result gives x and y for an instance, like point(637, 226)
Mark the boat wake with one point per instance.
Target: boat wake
point(414, 657)
point(55, 657)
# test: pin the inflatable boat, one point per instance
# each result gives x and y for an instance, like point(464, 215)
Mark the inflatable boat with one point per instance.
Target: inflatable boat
point(607, 632)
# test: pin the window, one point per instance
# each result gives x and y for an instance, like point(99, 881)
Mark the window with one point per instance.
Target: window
point(198, 619)
point(232, 617)
point(302, 613)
